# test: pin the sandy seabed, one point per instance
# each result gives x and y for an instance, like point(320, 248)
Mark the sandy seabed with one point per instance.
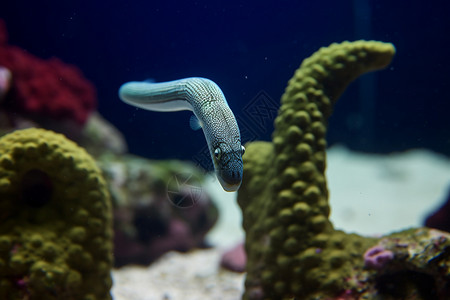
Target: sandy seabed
point(196, 275)
point(369, 195)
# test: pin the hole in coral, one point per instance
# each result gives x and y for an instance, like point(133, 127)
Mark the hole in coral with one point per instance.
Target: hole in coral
point(36, 188)
point(407, 285)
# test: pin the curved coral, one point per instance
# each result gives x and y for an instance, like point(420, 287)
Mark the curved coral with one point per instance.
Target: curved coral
point(293, 250)
point(55, 220)
point(292, 247)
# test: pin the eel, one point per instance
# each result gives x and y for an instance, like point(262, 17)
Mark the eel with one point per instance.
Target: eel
point(206, 100)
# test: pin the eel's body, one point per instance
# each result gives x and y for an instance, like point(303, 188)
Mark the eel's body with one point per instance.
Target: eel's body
point(206, 100)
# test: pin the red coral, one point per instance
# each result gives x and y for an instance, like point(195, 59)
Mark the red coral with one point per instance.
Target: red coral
point(45, 88)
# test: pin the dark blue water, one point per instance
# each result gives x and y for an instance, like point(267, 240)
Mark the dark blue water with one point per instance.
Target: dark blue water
point(250, 49)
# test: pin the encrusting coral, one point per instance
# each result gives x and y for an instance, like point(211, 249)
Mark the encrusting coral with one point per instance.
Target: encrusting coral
point(293, 250)
point(55, 220)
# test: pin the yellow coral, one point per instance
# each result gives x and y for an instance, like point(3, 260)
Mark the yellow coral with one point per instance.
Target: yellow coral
point(293, 250)
point(55, 220)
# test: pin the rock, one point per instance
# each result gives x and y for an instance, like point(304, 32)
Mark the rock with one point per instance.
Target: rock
point(234, 259)
point(159, 206)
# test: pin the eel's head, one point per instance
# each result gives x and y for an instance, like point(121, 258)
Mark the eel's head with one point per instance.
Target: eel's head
point(229, 166)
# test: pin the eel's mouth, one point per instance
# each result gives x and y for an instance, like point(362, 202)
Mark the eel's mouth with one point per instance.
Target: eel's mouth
point(230, 181)
point(229, 187)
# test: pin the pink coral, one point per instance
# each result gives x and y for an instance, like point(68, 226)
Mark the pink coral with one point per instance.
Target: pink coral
point(377, 257)
point(45, 88)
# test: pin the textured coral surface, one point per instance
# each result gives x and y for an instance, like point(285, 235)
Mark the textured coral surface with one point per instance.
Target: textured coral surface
point(55, 220)
point(293, 250)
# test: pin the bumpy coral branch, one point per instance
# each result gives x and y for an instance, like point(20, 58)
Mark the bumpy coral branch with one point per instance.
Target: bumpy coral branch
point(293, 250)
point(55, 220)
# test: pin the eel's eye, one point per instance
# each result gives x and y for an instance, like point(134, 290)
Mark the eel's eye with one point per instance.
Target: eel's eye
point(217, 153)
point(242, 150)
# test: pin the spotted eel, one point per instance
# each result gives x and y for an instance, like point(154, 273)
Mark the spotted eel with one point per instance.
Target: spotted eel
point(205, 99)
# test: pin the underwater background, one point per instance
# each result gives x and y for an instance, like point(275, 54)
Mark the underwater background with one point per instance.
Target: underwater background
point(250, 49)
point(114, 221)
